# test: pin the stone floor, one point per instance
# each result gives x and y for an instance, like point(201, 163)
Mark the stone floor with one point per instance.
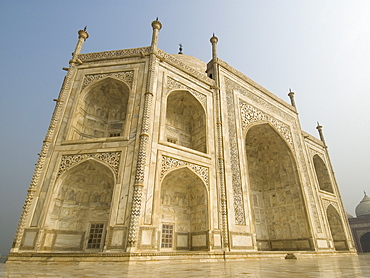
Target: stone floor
point(345, 266)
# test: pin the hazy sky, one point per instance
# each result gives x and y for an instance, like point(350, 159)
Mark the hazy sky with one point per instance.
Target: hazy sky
point(319, 48)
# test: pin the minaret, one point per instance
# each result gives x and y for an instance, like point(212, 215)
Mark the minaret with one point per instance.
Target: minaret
point(220, 154)
point(214, 41)
point(30, 199)
point(82, 36)
point(321, 134)
point(291, 96)
point(143, 143)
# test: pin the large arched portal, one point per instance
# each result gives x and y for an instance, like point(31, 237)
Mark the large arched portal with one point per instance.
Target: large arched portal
point(322, 174)
point(185, 121)
point(81, 209)
point(277, 204)
point(365, 242)
point(336, 228)
point(102, 113)
point(184, 211)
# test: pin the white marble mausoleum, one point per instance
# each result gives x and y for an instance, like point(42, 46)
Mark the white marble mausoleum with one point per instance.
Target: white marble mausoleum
point(151, 155)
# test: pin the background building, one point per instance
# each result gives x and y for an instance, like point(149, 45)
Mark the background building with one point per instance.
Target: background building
point(360, 225)
point(162, 153)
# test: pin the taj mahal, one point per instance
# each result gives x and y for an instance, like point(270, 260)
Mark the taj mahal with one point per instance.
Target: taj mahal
point(153, 156)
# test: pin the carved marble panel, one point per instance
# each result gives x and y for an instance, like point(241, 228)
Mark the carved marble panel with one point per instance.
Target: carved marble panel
point(250, 114)
point(231, 85)
point(326, 203)
point(173, 84)
point(111, 158)
point(125, 76)
point(169, 163)
point(312, 200)
point(114, 54)
point(235, 159)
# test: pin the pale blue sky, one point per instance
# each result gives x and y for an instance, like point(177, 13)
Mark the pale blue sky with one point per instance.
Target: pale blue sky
point(319, 48)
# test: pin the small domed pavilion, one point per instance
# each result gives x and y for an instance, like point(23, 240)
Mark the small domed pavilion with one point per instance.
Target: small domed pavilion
point(360, 225)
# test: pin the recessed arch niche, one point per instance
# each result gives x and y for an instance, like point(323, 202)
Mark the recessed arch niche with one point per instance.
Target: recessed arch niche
point(83, 199)
point(186, 121)
point(184, 211)
point(277, 203)
point(102, 111)
point(336, 228)
point(365, 242)
point(322, 174)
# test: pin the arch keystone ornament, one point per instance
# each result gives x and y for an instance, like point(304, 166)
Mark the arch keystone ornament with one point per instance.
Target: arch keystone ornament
point(153, 156)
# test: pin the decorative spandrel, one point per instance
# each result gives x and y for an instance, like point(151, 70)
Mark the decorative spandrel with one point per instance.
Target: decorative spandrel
point(125, 76)
point(174, 84)
point(111, 158)
point(250, 114)
point(169, 163)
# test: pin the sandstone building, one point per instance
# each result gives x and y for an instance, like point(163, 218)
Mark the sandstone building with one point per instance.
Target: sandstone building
point(151, 154)
point(360, 225)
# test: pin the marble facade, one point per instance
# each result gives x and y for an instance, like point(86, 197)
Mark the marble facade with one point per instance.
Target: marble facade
point(162, 154)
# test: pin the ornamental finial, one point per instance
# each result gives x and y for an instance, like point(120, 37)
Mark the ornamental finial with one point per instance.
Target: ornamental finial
point(214, 39)
point(180, 48)
point(156, 24)
point(83, 33)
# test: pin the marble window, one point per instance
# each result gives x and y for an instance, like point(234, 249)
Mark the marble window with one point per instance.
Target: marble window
point(167, 236)
point(95, 236)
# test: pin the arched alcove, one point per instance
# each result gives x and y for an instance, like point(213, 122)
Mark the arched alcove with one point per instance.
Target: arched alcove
point(184, 211)
point(185, 121)
point(336, 228)
point(365, 242)
point(277, 204)
point(102, 112)
point(81, 208)
point(322, 174)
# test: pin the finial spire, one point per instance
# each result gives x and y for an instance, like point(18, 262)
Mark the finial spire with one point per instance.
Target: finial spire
point(180, 48)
